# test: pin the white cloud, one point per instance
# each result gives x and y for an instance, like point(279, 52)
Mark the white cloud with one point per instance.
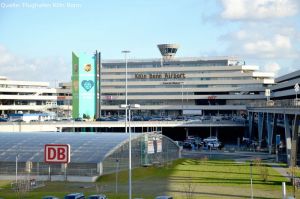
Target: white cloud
point(272, 67)
point(278, 45)
point(48, 69)
point(258, 9)
point(241, 34)
point(282, 41)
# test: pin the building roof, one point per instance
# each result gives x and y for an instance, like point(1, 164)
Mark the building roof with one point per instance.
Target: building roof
point(178, 59)
point(289, 76)
point(85, 147)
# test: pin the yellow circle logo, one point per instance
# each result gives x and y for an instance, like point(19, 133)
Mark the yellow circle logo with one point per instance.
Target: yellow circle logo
point(88, 67)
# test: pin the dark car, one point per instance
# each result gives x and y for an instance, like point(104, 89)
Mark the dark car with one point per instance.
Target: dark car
point(74, 196)
point(101, 119)
point(50, 197)
point(19, 120)
point(3, 120)
point(187, 145)
point(98, 196)
point(137, 118)
point(146, 118)
point(79, 119)
point(163, 197)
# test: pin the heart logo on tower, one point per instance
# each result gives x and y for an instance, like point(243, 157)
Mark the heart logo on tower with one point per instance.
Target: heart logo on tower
point(87, 84)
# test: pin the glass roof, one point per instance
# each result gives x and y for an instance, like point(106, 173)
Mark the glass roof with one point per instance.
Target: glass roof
point(85, 147)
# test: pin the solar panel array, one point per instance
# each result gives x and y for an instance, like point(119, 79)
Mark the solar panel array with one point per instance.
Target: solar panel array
point(85, 147)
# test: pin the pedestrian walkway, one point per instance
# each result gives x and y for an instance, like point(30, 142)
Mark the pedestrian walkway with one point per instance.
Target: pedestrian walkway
point(281, 170)
point(269, 160)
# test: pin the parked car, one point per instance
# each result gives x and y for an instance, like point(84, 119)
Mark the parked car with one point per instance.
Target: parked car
point(101, 119)
point(214, 145)
point(79, 119)
point(146, 118)
point(210, 139)
point(74, 196)
point(179, 118)
point(163, 197)
point(98, 196)
point(18, 120)
point(3, 120)
point(187, 145)
point(137, 118)
point(50, 197)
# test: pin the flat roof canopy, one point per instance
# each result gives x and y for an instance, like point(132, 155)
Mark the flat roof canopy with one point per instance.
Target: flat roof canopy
point(85, 147)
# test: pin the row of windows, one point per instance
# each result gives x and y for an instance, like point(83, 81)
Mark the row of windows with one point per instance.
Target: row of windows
point(163, 64)
point(104, 72)
point(21, 86)
point(258, 85)
point(107, 95)
point(192, 78)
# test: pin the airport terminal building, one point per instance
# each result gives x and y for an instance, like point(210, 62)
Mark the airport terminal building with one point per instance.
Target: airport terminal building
point(32, 97)
point(170, 86)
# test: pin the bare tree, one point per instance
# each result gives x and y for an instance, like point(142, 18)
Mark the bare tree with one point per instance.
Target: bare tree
point(189, 187)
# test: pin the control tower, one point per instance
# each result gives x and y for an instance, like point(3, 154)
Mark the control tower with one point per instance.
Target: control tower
point(168, 51)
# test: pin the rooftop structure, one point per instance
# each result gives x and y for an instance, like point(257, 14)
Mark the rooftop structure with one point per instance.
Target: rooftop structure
point(284, 88)
point(92, 154)
point(168, 51)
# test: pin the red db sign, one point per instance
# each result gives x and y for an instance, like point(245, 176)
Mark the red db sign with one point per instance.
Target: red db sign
point(57, 153)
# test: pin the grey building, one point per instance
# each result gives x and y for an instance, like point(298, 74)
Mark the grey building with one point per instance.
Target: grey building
point(170, 86)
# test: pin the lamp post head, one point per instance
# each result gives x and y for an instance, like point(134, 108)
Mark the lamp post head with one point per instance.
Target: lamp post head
point(123, 106)
point(135, 106)
point(125, 51)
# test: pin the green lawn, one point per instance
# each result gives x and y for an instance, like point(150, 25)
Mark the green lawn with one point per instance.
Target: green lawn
point(185, 178)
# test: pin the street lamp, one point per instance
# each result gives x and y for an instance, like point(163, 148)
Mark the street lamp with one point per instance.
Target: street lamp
point(182, 96)
point(117, 170)
point(17, 157)
point(125, 52)
point(129, 107)
point(296, 87)
point(251, 164)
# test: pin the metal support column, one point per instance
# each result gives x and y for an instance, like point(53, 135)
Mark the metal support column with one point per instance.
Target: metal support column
point(186, 132)
point(250, 124)
point(287, 131)
point(260, 127)
point(295, 135)
point(271, 123)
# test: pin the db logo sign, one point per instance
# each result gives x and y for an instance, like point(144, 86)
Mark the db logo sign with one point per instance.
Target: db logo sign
point(57, 153)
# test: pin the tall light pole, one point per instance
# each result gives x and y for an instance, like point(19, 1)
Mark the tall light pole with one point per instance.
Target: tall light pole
point(296, 91)
point(129, 107)
point(182, 97)
point(125, 52)
point(17, 156)
point(251, 164)
point(117, 171)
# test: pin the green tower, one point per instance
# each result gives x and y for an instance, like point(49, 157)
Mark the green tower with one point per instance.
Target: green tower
point(84, 85)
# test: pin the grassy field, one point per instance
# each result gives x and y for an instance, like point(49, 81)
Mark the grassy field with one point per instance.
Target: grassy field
point(185, 178)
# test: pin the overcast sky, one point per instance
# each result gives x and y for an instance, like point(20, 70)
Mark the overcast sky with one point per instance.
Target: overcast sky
point(38, 37)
